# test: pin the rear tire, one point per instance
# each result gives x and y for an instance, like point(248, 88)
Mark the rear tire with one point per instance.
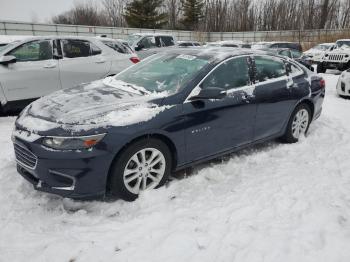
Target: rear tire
point(143, 165)
point(298, 124)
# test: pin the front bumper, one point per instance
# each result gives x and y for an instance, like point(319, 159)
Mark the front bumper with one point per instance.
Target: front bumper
point(73, 174)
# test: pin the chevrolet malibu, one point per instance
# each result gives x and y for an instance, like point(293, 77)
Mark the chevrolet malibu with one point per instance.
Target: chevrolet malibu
point(126, 134)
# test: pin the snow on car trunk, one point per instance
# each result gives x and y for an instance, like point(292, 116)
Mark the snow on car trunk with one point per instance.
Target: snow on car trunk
point(273, 202)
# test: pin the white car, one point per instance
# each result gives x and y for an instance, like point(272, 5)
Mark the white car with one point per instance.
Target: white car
point(317, 52)
point(37, 66)
point(343, 86)
point(338, 58)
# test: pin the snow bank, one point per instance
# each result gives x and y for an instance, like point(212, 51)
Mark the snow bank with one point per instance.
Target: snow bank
point(273, 202)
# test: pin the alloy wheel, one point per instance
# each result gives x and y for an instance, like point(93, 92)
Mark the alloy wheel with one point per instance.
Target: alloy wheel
point(144, 170)
point(300, 123)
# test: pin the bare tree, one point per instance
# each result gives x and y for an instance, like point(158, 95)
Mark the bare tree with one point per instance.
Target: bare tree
point(114, 10)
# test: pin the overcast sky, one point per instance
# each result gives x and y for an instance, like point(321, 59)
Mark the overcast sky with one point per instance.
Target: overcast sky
point(29, 10)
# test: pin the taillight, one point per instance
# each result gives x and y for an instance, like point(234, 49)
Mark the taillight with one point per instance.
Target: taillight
point(135, 59)
point(323, 83)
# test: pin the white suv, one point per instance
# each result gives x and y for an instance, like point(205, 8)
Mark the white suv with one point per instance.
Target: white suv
point(317, 52)
point(38, 66)
point(338, 58)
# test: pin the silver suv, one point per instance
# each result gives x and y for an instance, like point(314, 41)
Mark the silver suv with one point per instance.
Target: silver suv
point(148, 44)
point(37, 66)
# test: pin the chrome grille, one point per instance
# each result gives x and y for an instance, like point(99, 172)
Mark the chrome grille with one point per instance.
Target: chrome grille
point(24, 157)
point(336, 57)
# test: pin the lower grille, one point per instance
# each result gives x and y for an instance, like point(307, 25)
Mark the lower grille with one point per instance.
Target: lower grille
point(25, 157)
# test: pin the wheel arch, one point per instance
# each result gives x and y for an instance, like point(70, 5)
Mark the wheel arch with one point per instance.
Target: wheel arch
point(309, 103)
point(162, 137)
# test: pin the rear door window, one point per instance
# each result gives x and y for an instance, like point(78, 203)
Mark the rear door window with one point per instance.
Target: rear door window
point(167, 40)
point(73, 48)
point(268, 68)
point(231, 74)
point(33, 51)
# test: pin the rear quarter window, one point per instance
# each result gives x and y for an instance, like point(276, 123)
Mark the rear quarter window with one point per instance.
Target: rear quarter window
point(79, 48)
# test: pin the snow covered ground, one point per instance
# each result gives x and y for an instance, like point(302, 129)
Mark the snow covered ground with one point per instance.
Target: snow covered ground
point(274, 202)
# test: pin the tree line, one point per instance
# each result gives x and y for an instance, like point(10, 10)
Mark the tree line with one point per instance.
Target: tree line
point(211, 15)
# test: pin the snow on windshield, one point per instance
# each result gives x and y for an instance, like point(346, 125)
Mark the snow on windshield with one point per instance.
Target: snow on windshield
point(166, 72)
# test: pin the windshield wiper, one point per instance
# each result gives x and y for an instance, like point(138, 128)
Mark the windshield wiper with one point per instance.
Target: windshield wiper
point(143, 92)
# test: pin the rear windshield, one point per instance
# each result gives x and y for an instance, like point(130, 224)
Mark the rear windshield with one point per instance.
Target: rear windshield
point(164, 72)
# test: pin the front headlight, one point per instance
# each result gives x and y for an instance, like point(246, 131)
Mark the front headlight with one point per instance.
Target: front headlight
point(72, 143)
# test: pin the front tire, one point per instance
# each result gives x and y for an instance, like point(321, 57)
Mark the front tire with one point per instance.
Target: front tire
point(143, 165)
point(298, 124)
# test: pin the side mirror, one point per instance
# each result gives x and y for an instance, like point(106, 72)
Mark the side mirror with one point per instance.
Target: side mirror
point(7, 59)
point(209, 93)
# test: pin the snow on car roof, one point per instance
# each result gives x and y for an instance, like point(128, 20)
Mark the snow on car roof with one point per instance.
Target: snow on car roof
point(342, 40)
point(5, 39)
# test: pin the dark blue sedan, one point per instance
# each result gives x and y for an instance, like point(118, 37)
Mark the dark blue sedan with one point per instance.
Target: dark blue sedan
point(126, 134)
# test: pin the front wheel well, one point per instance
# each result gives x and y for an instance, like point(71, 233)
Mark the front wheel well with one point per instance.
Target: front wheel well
point(160, 137)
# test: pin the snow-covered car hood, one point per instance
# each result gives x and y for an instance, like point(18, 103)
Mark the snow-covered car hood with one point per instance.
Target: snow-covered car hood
point(98, 104)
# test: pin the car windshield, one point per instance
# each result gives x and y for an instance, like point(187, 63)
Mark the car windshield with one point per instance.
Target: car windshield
point(2, 46)
point(322, 47)
point(343, 43)
point(132, 39)
point(164, 72)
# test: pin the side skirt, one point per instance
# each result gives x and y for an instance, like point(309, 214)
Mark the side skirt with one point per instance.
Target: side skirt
point(227, 152)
